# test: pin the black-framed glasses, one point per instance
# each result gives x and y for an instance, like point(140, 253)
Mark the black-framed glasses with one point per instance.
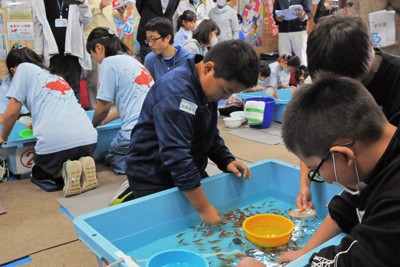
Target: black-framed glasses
point(149, 40)
point(314, 175)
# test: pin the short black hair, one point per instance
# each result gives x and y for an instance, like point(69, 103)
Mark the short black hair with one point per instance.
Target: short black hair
point(292, 60)
point(161, 25)
point(341, 44)
point(331, 108)
point(19, 54)
point(203, 30)
point(106, 37)
point(301, 71)
point(235, 60)
point(240, 18)
point(265, 70)
point(187, 15)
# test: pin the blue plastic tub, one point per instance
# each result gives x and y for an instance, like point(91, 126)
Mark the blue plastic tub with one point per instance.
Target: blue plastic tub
point(280, 104)
point(268, 111)
point(177, 258)
point(19, 151)
point(139, 228)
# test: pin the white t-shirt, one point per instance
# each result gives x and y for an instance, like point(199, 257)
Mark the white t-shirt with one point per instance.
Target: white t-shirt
point(125, 82)
point(58, 120)
point(274, 78)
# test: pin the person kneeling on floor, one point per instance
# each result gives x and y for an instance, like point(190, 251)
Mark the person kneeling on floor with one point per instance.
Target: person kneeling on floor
point(177, 129)
point(65, 136)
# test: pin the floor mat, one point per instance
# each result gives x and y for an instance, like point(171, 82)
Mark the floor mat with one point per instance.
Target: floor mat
point(47, 185)
point(2, 208)
point(269, 136)
point(89, 201)
point(33, 221)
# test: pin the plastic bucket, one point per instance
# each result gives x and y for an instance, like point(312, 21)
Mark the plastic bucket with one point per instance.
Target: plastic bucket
point(268, 111)
point(177, 258)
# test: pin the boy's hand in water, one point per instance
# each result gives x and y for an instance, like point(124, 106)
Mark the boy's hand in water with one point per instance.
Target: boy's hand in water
point(210, 215)
point(303, 200)
point(237, 167)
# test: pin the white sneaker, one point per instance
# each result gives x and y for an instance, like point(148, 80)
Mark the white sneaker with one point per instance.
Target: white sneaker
point(123, 192)
point(89, 177)
point(71, 174)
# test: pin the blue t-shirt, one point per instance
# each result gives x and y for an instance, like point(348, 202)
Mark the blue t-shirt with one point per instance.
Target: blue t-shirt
point(124, 81)
point(4, 87)
point(182, 36)
point(158, 66)
point(58, 120)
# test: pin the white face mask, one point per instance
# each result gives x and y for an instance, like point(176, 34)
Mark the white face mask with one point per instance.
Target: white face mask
point(214, 41)
point(221, 3)
point(357, 192)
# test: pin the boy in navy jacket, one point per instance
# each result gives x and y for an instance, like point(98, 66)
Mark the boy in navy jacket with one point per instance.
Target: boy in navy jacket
point(177, 128)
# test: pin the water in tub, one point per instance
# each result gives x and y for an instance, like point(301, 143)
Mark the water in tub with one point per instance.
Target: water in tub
point(217, 243)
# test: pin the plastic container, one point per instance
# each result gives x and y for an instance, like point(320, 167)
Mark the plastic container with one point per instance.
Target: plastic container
point(268, 111)
point(233, 122)
point(27, 133)
point(268, 230)
point(280, 104)
point(104, 231)
point(177, 258)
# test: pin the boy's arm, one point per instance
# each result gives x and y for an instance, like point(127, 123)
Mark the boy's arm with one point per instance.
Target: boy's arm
point(326, 231)
point(101, 112)
point(199, 202)
point(9, 118)
point(174, 127)
point(303, 199)
point(219, 153)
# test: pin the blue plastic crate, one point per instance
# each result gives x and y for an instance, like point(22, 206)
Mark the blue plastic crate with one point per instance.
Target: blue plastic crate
point(131, 226)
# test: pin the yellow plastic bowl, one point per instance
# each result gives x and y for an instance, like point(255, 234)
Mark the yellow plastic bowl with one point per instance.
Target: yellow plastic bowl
point(268, 230)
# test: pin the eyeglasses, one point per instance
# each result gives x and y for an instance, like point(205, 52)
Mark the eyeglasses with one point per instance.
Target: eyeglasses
point(314, 175)
point(148, 40)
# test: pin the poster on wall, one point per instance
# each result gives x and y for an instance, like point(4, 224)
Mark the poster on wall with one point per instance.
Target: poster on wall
point(251, 28)
point(18, 30)
point(17, 4)
point(2, 26)
point(19, 14)
point(382, 27)
point(129, 25)
point(270, 17)
point(3, 46)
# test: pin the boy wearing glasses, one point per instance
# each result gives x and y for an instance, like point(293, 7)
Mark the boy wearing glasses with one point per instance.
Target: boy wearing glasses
point(177, 129)
point(378, 70)
point(337, 129)
point(164, 56)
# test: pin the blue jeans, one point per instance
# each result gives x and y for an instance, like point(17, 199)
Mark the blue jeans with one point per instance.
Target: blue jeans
point(116, 154)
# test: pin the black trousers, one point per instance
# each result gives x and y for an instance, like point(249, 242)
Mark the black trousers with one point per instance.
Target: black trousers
point(68, 67)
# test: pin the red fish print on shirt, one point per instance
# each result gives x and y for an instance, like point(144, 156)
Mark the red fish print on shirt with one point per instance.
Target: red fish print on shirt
point(59, 85)
point(144, 78)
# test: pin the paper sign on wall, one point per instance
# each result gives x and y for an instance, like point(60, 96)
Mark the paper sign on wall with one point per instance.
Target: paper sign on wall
point(382, 28)
point(20, 30)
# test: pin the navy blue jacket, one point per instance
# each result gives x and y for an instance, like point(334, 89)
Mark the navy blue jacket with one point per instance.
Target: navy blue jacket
point(172, 140)
point(370, 220)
